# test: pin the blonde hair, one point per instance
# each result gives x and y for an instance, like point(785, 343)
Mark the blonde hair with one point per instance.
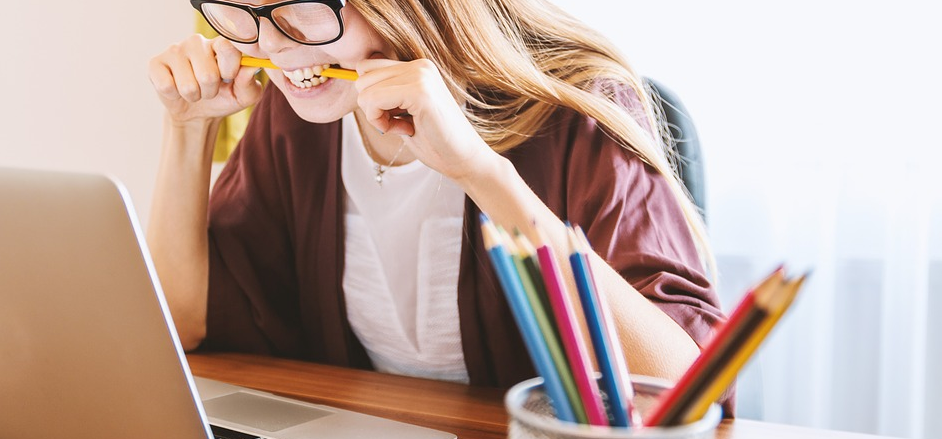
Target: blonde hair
point(514, 62)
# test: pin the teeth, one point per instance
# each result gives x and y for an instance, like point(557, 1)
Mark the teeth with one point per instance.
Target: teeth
point(307, 77)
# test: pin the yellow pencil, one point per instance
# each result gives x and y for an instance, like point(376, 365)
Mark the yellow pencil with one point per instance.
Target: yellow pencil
point(349, 75)
point(777, 305)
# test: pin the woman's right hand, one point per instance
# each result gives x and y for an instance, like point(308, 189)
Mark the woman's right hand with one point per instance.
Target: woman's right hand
point(200, 79)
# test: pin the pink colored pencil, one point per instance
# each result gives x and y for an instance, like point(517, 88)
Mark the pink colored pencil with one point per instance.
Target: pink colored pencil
point(571, 333)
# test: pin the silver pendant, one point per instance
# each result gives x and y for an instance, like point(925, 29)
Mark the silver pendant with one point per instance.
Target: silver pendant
point(379, 173)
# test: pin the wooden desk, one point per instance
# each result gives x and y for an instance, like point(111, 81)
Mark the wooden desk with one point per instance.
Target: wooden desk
point(468, 412)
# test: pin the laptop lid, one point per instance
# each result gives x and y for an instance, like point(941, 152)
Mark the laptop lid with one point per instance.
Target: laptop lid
point(84, 329)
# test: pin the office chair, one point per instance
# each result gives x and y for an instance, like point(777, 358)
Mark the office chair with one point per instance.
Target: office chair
point(686, 142)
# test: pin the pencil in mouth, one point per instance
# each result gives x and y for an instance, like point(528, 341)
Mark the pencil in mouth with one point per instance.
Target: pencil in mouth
point(307, 74)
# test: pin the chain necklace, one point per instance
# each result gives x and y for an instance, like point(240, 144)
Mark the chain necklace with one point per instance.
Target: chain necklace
point(378, 168)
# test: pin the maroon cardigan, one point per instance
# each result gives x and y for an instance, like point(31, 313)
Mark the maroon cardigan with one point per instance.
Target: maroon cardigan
point(277, 251)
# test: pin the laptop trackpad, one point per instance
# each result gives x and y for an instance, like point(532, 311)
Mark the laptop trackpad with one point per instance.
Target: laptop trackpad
point(263, 413)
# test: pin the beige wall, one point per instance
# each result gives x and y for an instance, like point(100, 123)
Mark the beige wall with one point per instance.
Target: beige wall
point(75, 89)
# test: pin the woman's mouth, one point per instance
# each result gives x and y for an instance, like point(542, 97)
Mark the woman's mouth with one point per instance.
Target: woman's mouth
point(307, 77)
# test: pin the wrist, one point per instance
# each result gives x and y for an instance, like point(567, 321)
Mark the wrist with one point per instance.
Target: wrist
point(482, 174)
point(192, 134)
point(191, 126)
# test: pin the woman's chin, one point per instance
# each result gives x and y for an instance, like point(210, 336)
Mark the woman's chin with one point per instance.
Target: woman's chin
point(324, 103)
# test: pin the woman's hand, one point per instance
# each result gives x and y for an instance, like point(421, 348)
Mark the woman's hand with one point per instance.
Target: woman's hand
point(412, 100)
point(202, 79)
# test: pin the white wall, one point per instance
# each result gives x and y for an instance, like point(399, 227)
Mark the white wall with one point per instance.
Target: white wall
point(75, 90)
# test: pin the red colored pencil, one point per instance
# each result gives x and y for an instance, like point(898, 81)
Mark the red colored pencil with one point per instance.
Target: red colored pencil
point(671, 404)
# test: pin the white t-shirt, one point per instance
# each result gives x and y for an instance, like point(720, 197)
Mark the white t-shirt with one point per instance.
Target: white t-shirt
point(400, 280)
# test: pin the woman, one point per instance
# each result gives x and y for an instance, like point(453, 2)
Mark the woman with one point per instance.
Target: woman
point(344, 229)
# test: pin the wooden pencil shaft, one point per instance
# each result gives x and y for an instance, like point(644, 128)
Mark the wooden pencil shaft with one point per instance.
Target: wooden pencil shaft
point(783, 300)
point(713, 368)
point(669, 401)
point(537, 347)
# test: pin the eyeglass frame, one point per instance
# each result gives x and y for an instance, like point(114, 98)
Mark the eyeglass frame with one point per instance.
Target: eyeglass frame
point(257, 12)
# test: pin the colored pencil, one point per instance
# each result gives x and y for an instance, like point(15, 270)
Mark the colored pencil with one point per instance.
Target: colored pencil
point(603, 343)
point(745, 319)
point(526, 321)
point(570, 332)
point(332, 72)
point(776, 305)
point(529, 271)
point(622, 376)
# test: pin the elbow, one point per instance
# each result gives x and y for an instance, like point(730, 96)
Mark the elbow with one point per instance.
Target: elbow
point(191, 335)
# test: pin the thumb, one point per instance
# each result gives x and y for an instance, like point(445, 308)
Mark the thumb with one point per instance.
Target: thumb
point(245, 88)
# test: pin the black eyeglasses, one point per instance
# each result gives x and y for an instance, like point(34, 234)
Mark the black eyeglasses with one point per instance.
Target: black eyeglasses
point(310, 22)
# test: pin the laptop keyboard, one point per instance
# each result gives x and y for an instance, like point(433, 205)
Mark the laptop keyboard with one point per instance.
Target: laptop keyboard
point(225, 433)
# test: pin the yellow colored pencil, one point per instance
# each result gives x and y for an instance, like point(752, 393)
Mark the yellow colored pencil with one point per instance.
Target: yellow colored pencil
point(778, 304)
point(349, 75)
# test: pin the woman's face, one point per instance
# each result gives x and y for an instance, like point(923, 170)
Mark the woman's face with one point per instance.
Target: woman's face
point(332, 99)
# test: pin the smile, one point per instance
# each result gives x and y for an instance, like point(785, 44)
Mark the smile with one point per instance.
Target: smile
point(307, 77)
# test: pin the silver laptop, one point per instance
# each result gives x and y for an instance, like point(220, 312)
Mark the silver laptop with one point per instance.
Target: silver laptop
point(87, 346)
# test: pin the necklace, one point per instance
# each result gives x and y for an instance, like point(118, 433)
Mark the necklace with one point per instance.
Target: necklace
point(378, 168)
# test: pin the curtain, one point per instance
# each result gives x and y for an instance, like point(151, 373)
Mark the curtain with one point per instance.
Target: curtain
point(858, 350)
point(819, 128)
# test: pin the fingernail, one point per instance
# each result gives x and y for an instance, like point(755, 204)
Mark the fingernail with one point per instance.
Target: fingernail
point(227, 81)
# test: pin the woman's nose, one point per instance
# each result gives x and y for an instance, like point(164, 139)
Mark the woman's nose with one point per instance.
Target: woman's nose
point(270, 39)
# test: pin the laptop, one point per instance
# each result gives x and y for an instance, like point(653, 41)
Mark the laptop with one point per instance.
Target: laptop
point(87, 345)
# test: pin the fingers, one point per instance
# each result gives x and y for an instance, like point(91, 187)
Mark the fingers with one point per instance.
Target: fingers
point(392, 92)
point(374, 71)
point(401, 125)
point(162, 79)
point(197, 67)
point(385, 108)
point(246, 89)
point(228, 59)
point(205, 67)
point(375, 62)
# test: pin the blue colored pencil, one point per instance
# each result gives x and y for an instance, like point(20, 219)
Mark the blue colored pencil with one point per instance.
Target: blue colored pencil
point(526, 321)
point(621, 361)
point(606, 345)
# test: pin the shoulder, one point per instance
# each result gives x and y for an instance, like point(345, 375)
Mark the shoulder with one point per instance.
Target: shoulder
point(574, 142)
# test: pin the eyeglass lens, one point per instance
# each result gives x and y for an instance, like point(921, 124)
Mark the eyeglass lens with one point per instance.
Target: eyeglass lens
point(304, 22)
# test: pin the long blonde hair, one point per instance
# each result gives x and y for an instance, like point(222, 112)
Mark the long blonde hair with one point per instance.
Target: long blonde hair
point(517, 61)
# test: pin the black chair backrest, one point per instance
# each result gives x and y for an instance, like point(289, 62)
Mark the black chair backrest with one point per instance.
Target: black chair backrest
point(686, 142)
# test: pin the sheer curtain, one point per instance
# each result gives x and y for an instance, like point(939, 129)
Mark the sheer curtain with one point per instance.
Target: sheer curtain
point(819, 123)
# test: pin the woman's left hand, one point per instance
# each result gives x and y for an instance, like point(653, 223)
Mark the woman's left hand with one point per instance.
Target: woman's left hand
point(435, 128)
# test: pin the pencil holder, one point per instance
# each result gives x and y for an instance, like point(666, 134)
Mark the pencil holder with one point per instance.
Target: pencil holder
point(531, 416)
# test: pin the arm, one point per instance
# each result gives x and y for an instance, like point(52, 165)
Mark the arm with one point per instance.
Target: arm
point(199, 81)
point(655, 344)
point(176, 233)
point(439, 134)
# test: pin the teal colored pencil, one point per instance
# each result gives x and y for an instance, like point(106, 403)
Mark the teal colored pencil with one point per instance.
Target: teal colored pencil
point(526, 321)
